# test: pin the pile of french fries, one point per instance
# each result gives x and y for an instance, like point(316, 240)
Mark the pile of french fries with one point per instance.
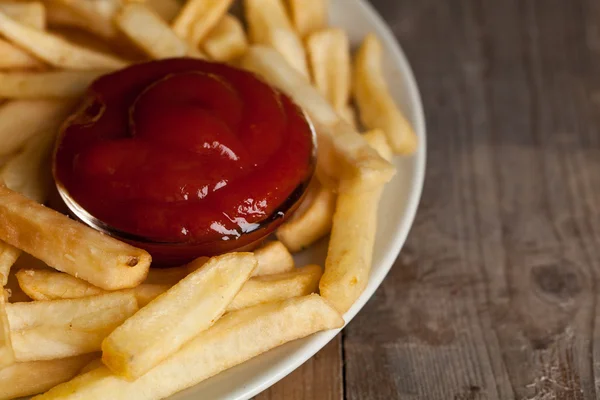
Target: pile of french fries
point(99, 323)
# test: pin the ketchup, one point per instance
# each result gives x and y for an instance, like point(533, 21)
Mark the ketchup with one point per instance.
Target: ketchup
point(185, 151)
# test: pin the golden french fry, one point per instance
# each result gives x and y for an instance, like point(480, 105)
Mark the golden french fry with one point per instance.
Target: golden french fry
point(376, 106)
point(310, 224)
point(12, 57)
point(93, 16)
point(53, 84)
point(308, 16)
point(273, 258)
point(233, 339)
point(266, 289)
point(30, 378)
point(227, 41)
point(377, 140)
point(69, 246)
point(7, 356)
point(348, 114)
point(175, 317)
point(268, 24)
point(329, 57)
point(8, 256)
point(92, 365)
point(198, 18)
point(343, 152)
point(17, 125)
point(55, 50)
point(150, 32)
point(52, 285)
point(27, 172)
point(350, 252)
point(30, 13)
point(76, 326)
point(167, 9)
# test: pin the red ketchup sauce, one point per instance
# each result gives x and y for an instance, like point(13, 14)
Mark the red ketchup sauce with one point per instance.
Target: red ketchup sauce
point(185, 157)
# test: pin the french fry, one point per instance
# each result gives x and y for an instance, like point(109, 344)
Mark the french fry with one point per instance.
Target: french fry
point(343, 152)
point(92, 365)
point(268, 24)
point(308, 16)
point(30, 378)
point(7, 356)
point(273, 258)
point(12, 57)
point(375, 104)
point(350, 252)
point(53, 84)
point(329, 58)
point(8, 256)
point(70, 246)
point(45, 285)
point(32, 14)
point(348, 114)
point(227, 41)
point(27, 172)
point(307, 226)
point(93, 16)
point(266, 289)
point(17, 125)
point(55, 50)
point(150, 32)
point(166, 9)
point(198, 18)
point(233, 339)
point(175, 317)
point(77, 326)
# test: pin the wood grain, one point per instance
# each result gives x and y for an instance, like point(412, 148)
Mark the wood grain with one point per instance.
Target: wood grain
point(495, 294)
point(320, 378)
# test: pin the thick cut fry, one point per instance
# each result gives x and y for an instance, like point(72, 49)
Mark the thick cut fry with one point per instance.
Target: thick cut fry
point(28, 172)
point(8, 256)
point(266, 289)
point(175, 317)
point(76, 326)
point(227, 41)
point(350, 252)
point(17, 124)
point(32, 14)
point(198, 18)
point(55, 50)
point(329, 56)
point(69, 246)
point(268, 24)
point(308, 16)
point(166, 9)
point(27, 379)
point(235, 338)
point(343, 152)
point(93, 16)
point(7, 356)
point(376, 106)
point(12, 57)
point(311, 224)
point(273, 258)
point(150, 32)
point(52, 285)
point(54, 84)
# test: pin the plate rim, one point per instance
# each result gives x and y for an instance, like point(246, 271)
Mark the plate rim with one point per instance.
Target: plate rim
point(419, 125)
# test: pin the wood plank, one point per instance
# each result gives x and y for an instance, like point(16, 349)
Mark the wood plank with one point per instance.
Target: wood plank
point(320, 378)
point(494, 296)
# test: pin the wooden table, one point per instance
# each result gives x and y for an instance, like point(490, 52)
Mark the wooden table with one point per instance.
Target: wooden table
point(495, 293)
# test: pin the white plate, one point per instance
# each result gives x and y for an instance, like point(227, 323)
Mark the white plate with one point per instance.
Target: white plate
point(396, 214)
